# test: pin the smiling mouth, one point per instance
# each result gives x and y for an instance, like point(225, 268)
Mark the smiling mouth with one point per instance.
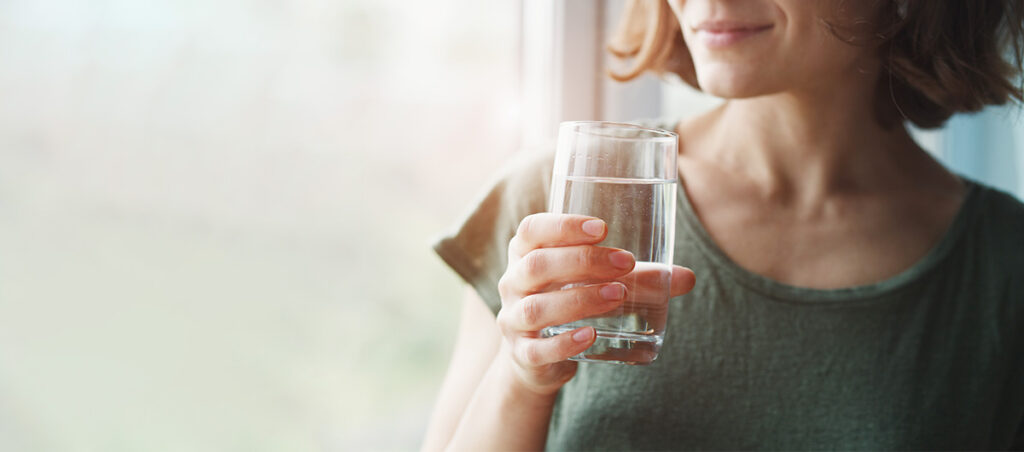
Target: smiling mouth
point(718, 35)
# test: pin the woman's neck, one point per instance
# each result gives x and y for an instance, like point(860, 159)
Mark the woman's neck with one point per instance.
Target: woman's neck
point(803, 148)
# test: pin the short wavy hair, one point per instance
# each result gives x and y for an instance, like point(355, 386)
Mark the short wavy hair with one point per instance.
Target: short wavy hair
point(939, 57)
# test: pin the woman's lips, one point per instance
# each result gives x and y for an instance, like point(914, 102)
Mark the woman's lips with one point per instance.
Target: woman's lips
point(718, 35)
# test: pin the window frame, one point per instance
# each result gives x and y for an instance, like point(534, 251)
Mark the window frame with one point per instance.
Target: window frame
point(564, 69)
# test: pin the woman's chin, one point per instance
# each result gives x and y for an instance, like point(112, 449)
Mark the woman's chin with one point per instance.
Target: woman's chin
point(727, 91)
point(733, 81)
point(728, 87)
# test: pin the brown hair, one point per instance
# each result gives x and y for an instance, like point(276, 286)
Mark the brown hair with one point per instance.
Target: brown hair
point(938, 57)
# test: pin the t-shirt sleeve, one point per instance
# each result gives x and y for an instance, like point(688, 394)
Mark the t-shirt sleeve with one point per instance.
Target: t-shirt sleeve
point(477, 246)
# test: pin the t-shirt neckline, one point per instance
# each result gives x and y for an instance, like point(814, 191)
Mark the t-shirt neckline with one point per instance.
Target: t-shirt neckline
point(790, 293)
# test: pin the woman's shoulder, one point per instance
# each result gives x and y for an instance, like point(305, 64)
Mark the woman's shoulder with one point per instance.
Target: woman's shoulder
point(521, 185)
point(1000, 211)
point(475, 246)
point(518, 188)
point(997, 228)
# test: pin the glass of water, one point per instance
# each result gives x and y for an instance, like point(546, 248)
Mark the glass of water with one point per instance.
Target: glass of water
point(625, 175)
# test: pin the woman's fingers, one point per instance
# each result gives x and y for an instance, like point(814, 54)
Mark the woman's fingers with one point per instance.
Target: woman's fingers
point(536, 352)
point(650, 281)
point(543, 230)
point(537, 311)
point(683, 281)
point(541, 268)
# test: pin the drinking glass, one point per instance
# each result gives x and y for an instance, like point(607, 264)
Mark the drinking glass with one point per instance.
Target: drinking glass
point(625, 175)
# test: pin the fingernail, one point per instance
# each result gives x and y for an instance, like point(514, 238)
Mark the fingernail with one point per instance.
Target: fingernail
point(593, 227)
point(582, 335)
point(621, 259)
point(612, 292)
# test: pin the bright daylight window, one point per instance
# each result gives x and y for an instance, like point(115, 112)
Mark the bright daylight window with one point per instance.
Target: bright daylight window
point(216, 216)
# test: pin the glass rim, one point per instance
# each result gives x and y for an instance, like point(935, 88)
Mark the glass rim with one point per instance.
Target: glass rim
point(659, 134)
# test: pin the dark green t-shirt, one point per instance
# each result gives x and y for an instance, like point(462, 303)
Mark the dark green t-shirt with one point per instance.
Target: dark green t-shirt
point(932, 358)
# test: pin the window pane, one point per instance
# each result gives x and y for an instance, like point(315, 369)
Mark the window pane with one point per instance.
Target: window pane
point(216, 216)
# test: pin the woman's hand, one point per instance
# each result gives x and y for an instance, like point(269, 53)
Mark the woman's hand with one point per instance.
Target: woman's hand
point(549, 251)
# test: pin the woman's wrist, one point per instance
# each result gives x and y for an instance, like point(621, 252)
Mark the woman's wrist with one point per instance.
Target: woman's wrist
point(519, 387)
point(505, 413)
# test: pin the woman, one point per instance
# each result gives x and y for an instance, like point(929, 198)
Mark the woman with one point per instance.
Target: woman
point(851, 293)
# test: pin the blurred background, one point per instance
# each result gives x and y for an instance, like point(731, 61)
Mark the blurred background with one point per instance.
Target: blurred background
point(216, 217)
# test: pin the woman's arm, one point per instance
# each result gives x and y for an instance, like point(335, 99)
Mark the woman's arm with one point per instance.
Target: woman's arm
point(499, 393)
point(476, 345)
point(479, 387)
point(503, 414)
